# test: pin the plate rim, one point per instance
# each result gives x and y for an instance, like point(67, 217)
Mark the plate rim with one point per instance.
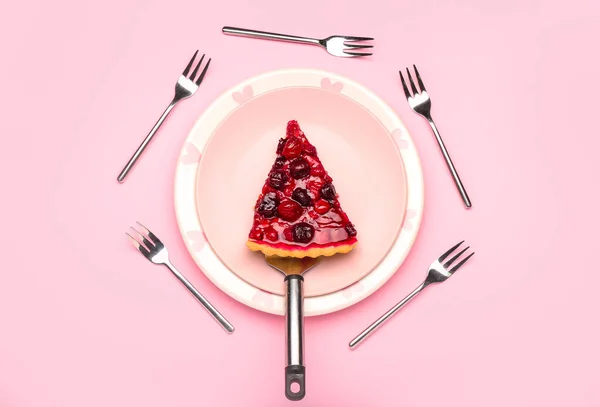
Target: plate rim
point(205, 258)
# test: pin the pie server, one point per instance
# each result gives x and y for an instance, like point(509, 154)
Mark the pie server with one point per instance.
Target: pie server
point(295, 371)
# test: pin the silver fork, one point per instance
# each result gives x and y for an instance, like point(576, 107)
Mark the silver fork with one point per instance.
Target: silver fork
point(421, 104)
point(336, 45)
point(184, 88)
point(438, 272)
point(155, 251)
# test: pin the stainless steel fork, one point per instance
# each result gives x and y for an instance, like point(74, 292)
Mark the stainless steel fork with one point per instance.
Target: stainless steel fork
point(336, 45)
point(155, 251)
point(184, 88)
point(438, 272)
point(421, 104)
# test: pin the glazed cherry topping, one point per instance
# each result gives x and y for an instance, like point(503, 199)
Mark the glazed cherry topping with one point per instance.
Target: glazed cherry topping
point(288, 190)
point(289, 210)
point(256, 234)
point(317, 170)
point(328, 192)
point(322, 206)
point(298, 203)
point(277, 179)
point(314, 186)
point(268, 205)
point(279, 162)
point(310, 149)
point(344, 217)
point(288, 235)
point(301, 196)
point(299, 168)
point(303, 232)
point(293, 129)
point(293, 148)
point(271, 234)
point(280, 145)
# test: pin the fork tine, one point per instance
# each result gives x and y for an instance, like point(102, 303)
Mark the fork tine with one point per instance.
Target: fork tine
point(443, 256)
point(358, 39)
point(196, 69)
point(419, 79)
point(151, 235)
point(406, 91)
point(145, 240)
point(412, 84)
point(358, 54)
point(463, 261)
point(187, 68)
point(201, 77)
point(452, 260)
point(137, 245)
point(358, 46)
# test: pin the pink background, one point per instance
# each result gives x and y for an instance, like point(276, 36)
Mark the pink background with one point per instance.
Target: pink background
point(86, 321)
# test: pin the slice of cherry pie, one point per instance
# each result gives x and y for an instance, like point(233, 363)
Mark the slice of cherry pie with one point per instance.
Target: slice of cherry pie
point(298, 213)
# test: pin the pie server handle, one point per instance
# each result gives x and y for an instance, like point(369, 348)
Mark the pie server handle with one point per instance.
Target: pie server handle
point(295, 371)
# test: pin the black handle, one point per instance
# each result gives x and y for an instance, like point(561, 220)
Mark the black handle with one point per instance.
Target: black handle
point(295, 375)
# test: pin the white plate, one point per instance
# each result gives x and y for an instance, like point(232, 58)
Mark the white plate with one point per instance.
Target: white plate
point(329, 96)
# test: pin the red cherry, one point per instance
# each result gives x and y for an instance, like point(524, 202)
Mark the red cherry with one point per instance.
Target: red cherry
point(267, 188)
point(289, 210)
point(267, 206)
point(277, 178)
point(271, 234)
point(293, 129)
point(293, 148)
point(310, 149)
point(303, 232)
point(322, 206)
point(299, 168)
point(328, 192)
point(256, 234)
point(279, 162)
point(288, 234)
point(317, 171)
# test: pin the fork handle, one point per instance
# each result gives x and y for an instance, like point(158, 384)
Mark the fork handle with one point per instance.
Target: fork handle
point(243, 32)
point(450, 164)
point(371, 328)
point(209, 307)
point(147, 140)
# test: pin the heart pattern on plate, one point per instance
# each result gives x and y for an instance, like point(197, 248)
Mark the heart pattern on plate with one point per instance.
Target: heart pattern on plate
point(353, 289)
point(198, 240)
point(410, 214)
point(263, 298)
point(334, 87)
point(245, 95)
point(191, 154)
point(398, 136)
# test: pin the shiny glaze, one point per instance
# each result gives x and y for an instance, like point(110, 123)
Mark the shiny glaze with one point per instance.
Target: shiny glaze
point(330, 226)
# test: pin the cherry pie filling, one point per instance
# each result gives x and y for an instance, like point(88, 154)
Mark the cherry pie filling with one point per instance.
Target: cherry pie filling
point(298, 205)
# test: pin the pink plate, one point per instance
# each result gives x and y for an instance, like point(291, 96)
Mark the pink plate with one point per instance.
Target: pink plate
point(359, 140)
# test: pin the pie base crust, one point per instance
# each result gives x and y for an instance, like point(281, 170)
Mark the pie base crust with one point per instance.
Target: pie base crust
point(300, 251)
